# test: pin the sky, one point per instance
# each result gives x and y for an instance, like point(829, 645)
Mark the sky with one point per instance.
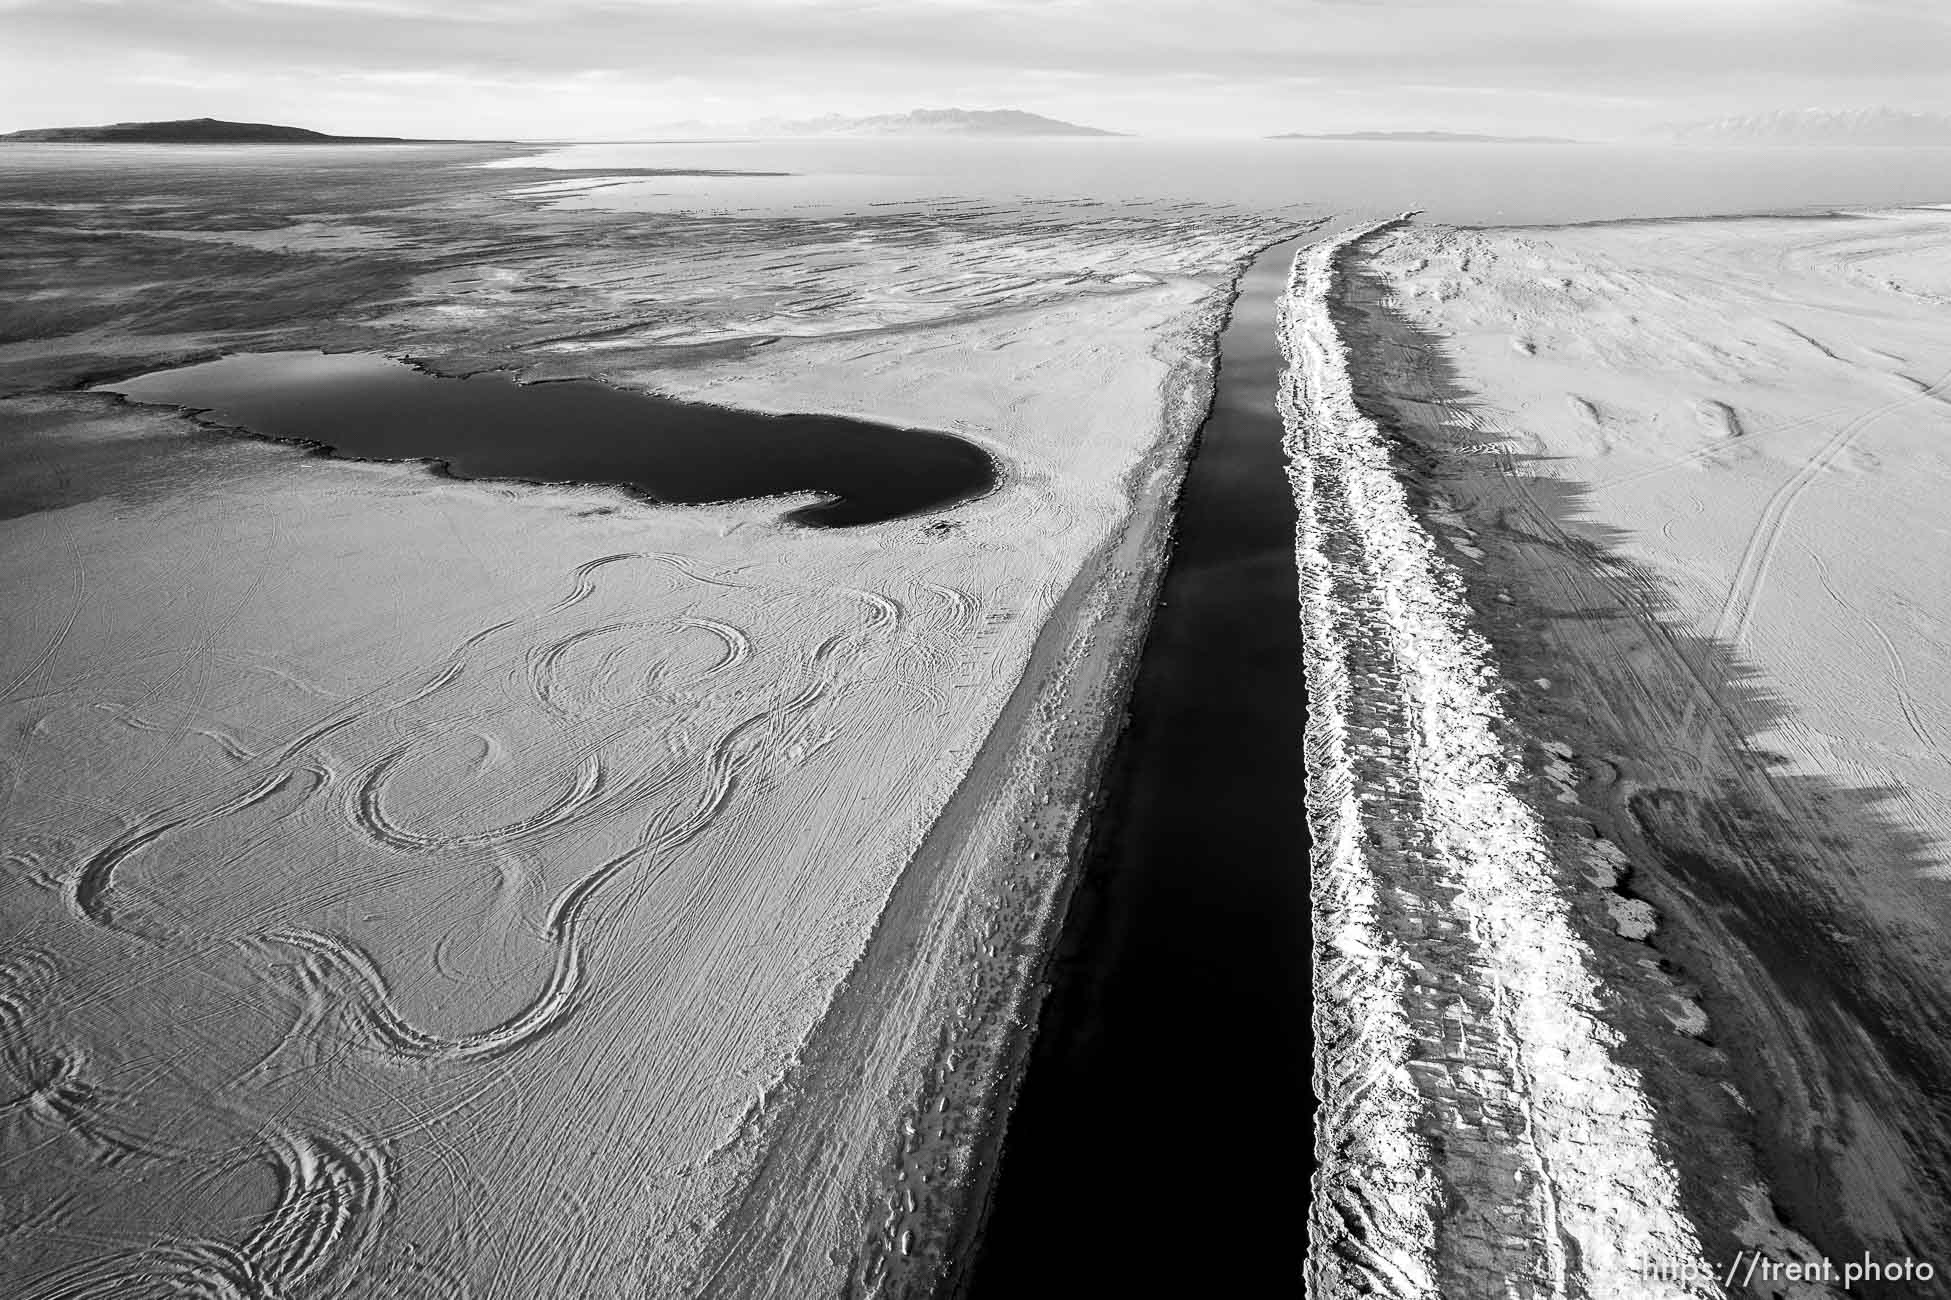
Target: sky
point(618, 69)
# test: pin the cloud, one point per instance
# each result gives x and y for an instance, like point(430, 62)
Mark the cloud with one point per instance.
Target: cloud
point(871, 54)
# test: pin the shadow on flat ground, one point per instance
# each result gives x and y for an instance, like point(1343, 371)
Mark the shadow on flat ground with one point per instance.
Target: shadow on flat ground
point(1789, 900)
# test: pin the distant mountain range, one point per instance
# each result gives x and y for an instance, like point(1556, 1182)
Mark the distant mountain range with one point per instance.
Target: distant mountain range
point(196, 130)
point(994, 123)
point(1425, 137)
point(1820, 126)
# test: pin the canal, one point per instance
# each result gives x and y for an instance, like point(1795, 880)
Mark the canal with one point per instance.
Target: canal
point(1163, 1139)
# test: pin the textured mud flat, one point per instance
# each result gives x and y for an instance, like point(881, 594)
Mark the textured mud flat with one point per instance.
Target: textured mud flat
point(431, 888)
point(1681, 476)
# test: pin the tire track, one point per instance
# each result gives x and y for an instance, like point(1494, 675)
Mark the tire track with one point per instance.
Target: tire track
point(1899, 672)
point(55, 1083)
point(87, 888)
point(366, 810)
point(60, 638)
point(203, 652)
point(330, 1205)
point(684, 565)
point(339, 961)
point(586, 579)
point(331, 1199)
point(737, 645)
point(1757, 557)
point(884, 611)
point(449, 669)
point(168, 1268)
point(544, 662)
point(960, 611)
point(72, 1098)
point(545, 666)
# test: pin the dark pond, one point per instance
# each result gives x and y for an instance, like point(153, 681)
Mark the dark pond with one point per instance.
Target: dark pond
point(489, 427)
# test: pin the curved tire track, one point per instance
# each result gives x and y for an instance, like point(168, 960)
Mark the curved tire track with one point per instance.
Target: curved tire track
point(367, 811)
point(1751, 570)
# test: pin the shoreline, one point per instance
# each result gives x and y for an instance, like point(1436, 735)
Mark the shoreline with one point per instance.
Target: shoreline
point(795, 503)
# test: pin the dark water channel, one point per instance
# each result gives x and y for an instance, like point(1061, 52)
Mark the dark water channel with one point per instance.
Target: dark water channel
point(1163, 1139)
point(487, 426)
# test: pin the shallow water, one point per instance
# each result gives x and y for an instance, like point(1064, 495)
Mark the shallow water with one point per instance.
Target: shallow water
point(490, 427)
point(1470, 184)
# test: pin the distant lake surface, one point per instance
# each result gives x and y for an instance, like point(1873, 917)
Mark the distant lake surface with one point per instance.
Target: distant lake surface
point(1466, 184)
point(487, 426)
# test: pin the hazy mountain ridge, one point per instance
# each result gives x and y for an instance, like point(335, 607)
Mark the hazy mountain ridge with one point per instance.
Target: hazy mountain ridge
point(994, 123)
point(196, 130)
point(1820, 126)
point(1424, 137)
point(938, 121)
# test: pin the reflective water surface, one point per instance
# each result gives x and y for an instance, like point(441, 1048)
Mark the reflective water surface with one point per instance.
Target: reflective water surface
point(488, 426)
point(1465, 184)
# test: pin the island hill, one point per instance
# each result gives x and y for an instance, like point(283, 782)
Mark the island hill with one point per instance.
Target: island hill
point(943, 121)
point(1425, 137)
point(197, 130)
point(932, 123)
